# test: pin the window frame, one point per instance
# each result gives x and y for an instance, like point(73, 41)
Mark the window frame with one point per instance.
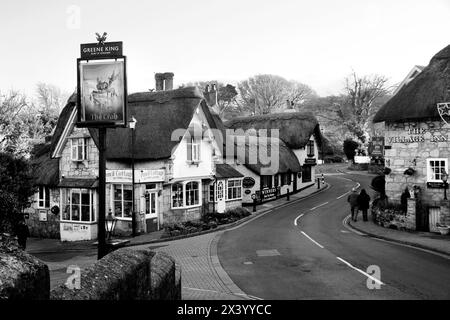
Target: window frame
point(84, 149)
point(193, 150)
point(234, 187)
point(122, 201)
point(430, 174)
point(67, 195)
point(185, 194)
point(45, 199)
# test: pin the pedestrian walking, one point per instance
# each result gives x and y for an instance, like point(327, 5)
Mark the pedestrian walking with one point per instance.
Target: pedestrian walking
point(22, 233)
point(404, 199)
point(353, 200)
point(363, 203)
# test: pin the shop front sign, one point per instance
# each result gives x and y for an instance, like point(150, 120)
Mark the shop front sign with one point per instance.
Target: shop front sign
point(248, 182)
point(140, 176)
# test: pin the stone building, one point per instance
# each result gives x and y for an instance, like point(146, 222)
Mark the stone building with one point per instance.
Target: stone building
point(417, 147)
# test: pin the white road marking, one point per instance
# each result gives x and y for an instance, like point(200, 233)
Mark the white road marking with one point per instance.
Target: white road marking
point(314, 241)
point(345, 224)
point(320, 205)
point(345, 231)
point(343, 195)
point(360, 271)
point(295, 221)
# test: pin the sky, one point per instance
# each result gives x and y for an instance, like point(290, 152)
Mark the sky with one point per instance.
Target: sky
point(316, 42)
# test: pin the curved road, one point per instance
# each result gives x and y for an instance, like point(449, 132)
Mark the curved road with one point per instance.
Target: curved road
point(304, 251)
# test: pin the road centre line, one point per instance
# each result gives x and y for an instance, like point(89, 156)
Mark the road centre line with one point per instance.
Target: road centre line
point(314, 241)
point(295, 221)
point(356, 187)
point(360, 271)
point(343, 195)
point(320, 205)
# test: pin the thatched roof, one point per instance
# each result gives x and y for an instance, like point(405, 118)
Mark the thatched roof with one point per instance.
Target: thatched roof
point(62, 121)
point(295, 127)
point(418, 99)
point(45, 169)
point(258, 155)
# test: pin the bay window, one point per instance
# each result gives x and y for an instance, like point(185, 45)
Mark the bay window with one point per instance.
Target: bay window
point(435, 169)
point(44, 197)
point(186, 194)
point(79, 150)
point(122, 200)
point(78, 205)
point(234, 189)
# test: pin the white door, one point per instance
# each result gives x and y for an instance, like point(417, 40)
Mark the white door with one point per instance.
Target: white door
point(151, 205)
point(221, 196)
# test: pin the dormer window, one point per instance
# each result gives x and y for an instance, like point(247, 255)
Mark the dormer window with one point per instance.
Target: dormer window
point(79, 150)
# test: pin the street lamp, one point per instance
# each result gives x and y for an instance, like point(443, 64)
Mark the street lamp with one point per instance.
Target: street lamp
point(132, 124)
point(444, 177)
point(110, 224)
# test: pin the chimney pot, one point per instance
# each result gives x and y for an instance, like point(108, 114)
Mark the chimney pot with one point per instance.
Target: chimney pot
point(159, 81)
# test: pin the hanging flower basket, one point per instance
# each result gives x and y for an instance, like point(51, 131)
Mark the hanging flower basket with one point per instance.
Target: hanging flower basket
point(409, 171)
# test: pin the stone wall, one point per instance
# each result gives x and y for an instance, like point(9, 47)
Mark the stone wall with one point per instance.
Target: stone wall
point(39, 227)
point(22, 276)
point(412, 143)
point(127, 274)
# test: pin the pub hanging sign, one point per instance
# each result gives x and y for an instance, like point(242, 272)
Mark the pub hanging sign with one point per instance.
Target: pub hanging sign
point(102, 85)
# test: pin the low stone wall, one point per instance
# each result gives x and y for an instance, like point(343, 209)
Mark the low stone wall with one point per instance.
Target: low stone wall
point(125, 274)
point(22, 276)
point(43, 229)
point(395, 219)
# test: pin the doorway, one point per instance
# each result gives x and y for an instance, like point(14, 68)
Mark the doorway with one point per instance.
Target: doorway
point(151, 210)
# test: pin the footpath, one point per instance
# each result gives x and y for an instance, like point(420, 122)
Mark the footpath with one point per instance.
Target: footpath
point(423, 240)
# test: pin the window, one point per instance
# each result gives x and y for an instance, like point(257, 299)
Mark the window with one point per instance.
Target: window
point(193, 150)
point(186, 195)
point(266, 181)
point(78, 205)
point(79, 149)
point(177, 195)
point(286, 179)
point(310, 148)
point(44, 197)
point(234, 189)
point(211, 193)
point(276, 180)
point(122, 200)
point(192, 194)
point(435, 169)
point(306, 173)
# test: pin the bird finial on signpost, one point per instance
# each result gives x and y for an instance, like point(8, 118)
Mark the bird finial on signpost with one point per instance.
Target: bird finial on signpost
point(101, 39)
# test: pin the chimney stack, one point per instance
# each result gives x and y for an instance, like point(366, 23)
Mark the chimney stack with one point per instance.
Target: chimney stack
point(159, 81)
point(211, 94)
point(168, 81)
point(164, 81)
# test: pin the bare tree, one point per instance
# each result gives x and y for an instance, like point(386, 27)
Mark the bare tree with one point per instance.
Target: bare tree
point(268, 93)
point(355, 108)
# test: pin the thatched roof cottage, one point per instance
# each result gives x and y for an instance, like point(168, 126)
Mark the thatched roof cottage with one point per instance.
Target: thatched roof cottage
point(297, 140)
point(417, 139)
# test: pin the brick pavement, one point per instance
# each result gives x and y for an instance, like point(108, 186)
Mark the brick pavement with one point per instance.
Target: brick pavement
point(202, 278)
